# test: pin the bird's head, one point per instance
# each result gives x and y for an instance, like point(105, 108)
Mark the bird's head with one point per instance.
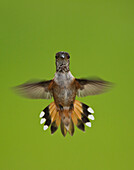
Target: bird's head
point(62, 61)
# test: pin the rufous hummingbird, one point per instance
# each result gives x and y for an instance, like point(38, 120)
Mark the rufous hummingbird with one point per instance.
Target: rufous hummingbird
point(64, 110)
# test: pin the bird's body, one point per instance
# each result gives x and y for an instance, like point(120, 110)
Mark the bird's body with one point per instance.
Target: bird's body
point(64, 91)
point(65, 110)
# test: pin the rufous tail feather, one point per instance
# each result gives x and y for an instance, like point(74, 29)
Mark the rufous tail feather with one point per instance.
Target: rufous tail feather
point(80, 115)
point(50, 117)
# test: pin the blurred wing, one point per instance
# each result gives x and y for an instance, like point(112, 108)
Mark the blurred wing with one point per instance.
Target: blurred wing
point(36, 90)
point(91, 87)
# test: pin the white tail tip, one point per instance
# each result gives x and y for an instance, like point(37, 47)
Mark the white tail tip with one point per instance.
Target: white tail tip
point(42, 114)
point(88, 124)
point(91, 117)
point(45, 127)
point(42, 121)
point(90, 110)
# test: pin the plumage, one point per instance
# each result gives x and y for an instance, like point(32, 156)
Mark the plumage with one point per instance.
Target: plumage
point(91, 117)
point(36, 90)
point(63, 129)
point(48, 121)
point(41, 114)
point(42, 121)
point(71, 128)
point(90, 110)
point(88, 124)
point(54, 127)
point(65, 111)
point(91, 87)
point(46, 111)
point(45, 127)
point(77, 112)
point(84, 119)
point(74, 118)
point(80, 125)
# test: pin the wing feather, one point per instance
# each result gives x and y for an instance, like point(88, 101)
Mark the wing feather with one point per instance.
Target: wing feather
point(91, 87)
point(35, 90)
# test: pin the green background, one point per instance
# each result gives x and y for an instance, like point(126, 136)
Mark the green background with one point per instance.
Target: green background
point(99, 35)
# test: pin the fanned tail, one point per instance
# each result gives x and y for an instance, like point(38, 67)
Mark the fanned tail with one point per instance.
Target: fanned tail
point(67, 128)
point(79, 114)
point(67, 124)
point(50, 116)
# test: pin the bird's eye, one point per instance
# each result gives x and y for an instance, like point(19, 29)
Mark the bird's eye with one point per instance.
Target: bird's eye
point(56, 56)
point(68, 56)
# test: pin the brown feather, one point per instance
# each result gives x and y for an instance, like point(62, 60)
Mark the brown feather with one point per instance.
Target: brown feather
point(52, 109)
point(58, 119)
point(63, 129)
point(71, 128)
point(51, 105)
point(35, 90)
point(78, 103)
point(79, 108)
point(91, 87)
point(74, 118)
point(53, 115)
point(78, 113)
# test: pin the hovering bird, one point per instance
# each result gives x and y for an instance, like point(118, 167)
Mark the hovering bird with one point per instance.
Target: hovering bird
point(64, 110)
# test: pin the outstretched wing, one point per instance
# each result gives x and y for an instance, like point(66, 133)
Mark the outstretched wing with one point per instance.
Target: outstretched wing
point(36, 90)
point(91, 87)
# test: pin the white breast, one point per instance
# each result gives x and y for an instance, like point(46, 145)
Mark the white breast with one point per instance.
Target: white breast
point(63, 79)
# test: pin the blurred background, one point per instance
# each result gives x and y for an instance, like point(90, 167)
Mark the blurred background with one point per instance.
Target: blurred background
point(99, 36)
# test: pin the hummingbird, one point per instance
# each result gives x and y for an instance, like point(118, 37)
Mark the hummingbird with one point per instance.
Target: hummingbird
point(65, 110)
